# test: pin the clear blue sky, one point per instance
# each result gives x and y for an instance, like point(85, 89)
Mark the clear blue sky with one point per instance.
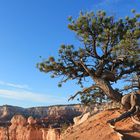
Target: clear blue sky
point(33, 28)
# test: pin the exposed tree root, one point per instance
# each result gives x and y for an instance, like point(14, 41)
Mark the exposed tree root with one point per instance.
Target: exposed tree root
point(135, 121)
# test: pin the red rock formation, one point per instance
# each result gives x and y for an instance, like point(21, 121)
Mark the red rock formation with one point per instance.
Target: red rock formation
point(96, 128)
point(20, 129)
point(51, 134)
point(31, 121)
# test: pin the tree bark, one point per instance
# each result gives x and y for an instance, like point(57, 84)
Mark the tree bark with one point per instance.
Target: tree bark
point(107, 89)
point(104, 85)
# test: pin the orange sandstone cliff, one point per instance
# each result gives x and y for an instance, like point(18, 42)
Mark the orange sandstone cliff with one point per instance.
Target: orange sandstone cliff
point(96, 128)
point(88, 126)
point(22, 129)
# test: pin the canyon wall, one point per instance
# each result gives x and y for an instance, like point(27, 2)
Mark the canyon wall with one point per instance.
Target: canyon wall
point(43, 123)
point(20, 129)
point(7, 111)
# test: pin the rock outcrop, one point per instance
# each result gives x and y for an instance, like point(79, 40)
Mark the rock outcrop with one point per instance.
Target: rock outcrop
point(21, 129)
point(96, 128)
point(80, 119)
point(31, 121)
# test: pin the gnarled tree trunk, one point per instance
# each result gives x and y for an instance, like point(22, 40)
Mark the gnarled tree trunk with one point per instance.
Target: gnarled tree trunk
point(107, 89)
point(104, 85)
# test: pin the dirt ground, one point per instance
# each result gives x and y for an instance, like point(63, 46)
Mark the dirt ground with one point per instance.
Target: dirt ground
point(96, 128)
